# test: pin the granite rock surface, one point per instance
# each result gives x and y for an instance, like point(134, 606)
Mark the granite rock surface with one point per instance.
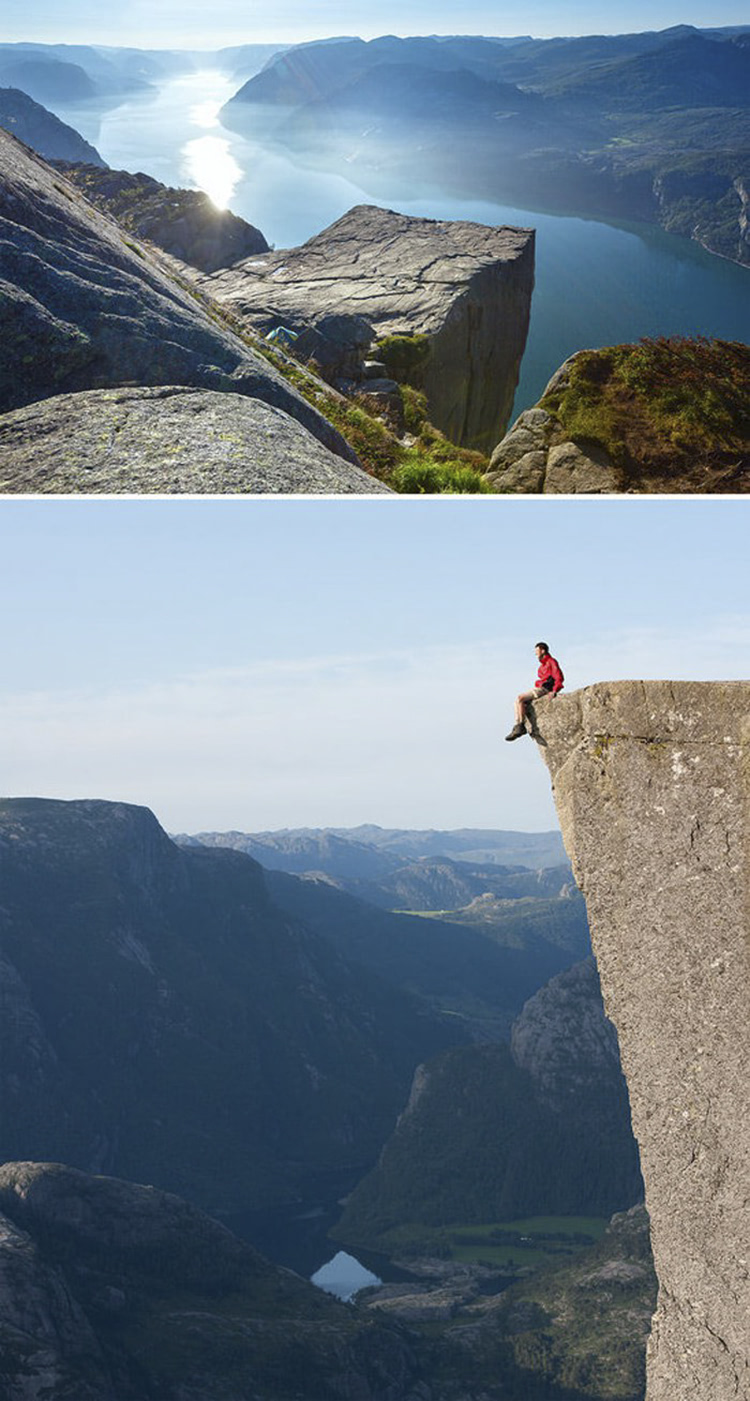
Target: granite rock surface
point(652, 786)
point(165, 441)
point(465, 286)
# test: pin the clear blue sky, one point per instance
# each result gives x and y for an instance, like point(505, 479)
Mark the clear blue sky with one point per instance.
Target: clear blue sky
point(192, 23)
point(259, 664)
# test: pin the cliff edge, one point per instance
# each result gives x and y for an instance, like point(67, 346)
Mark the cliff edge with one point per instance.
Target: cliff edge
point(652, 785)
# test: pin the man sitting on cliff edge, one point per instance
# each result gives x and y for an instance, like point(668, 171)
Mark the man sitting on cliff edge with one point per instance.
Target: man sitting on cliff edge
point(549, 681)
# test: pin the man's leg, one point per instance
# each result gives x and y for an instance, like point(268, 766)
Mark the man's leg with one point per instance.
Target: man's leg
point(522, 700)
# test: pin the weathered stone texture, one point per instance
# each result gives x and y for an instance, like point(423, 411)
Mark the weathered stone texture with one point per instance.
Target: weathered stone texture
point(652, 785)
point(164, 441)
point(465, 286)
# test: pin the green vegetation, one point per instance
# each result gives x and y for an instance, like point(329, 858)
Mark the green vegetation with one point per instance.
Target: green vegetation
point(405, 358)
point(507, 1155)
point(415, 408)
point(524, 1244)
point(418, 475)
point(430, 465)
point(668, 407)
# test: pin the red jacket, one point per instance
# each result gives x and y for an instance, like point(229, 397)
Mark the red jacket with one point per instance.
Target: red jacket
point(549, 670)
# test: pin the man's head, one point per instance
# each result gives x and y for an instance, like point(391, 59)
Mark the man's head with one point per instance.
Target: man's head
point(541, 649)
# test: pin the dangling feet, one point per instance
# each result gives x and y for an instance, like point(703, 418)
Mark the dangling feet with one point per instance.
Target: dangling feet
point(517, 731)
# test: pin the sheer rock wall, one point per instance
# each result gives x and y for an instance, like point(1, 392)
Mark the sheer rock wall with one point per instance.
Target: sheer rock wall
point(652, 786)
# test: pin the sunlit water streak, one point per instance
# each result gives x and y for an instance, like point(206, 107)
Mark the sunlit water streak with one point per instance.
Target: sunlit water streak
point(596, 283)
point(210, 165)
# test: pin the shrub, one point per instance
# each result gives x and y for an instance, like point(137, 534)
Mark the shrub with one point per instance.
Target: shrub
point(666, 404)
point(405, 358)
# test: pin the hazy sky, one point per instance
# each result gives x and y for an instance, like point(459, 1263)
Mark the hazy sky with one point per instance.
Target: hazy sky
point(192, 23)
point(259, 664)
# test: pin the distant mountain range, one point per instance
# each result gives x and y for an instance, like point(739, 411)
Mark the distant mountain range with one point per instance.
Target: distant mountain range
point(370, 851)
point(649, 126)
point(486, 936)
point(69, 74)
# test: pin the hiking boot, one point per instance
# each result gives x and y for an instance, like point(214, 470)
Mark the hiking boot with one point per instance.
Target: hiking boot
point(516, 732)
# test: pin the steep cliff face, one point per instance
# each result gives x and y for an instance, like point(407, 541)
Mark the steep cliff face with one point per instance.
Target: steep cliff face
point(375, 274)
point(42, 130)
point(652, 785)
point(164, 1020)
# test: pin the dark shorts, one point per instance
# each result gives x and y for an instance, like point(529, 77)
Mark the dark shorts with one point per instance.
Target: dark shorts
point(545, 687)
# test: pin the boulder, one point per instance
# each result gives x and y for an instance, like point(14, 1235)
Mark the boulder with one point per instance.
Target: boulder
point(536, 456)
point(628, 419)
point(651, 782)
point(167, 440)
point(466, 287)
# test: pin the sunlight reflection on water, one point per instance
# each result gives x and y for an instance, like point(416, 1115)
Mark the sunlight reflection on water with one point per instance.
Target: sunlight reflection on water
point(205, 114)
point(209, 164)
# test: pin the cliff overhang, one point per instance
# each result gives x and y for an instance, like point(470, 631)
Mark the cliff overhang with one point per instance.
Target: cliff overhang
point(374, 274)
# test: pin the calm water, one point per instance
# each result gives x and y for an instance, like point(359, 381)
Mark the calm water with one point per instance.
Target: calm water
point(596, 284)
point(343, 1276)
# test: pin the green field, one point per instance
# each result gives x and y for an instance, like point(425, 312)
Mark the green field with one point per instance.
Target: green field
point(521, 1244)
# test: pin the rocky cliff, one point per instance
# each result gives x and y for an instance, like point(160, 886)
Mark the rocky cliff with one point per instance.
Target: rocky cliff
point(31, 123)
point(540, 1129)
point(185, 223)
point(375, 274)
point(652, 786)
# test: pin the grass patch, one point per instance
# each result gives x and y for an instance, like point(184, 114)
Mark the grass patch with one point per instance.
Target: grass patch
point(405, 358)
point(523, 1244)
point(430, 466)
point(665, 407)
point(419, 474)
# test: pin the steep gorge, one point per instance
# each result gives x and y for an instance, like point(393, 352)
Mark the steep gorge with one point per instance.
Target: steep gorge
point(652, 784)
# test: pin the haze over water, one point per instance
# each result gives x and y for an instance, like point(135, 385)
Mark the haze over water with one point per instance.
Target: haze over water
point(596, 283)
